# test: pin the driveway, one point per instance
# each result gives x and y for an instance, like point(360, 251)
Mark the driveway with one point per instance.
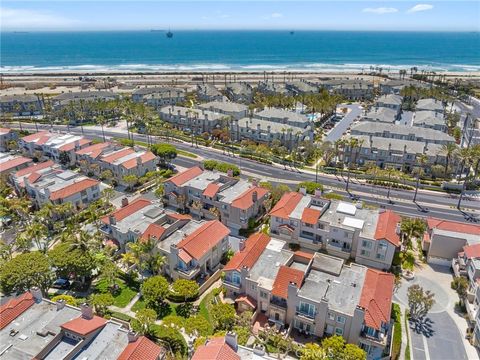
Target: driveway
point(342, 126)
point(438, 336)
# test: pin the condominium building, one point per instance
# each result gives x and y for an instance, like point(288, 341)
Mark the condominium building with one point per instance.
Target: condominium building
point(270, 87)
point(208, 92)
point(158, 97)
point(53, 185)
point(10, 163)
point(239, 92)
point(17, 177)
point(228, 109)
point(33, 327)
point(214, 195)
point(351, 89)
point(430, 119)
point(471, 131)
point(6, 136)
point(315, 294)
point(21, 105)
point(370, 237)
point(396, 86)
point(192, 120)
point(430, 105)
point(382, 115)
point(390, 101)
point(65, 99)
point(285, 117)
point(301, 87)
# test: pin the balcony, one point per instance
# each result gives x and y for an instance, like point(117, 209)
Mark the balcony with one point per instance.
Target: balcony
point(282, 303)
point(305, 315)
point(380, 338)
point(458, 266)
point(231, 284)
point(189, 273)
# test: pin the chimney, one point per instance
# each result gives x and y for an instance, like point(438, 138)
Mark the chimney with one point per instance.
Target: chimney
point(60, 304)
point(112, 220)
point(318, 193)
point(302, 191)
point(139, 160)
point(259, 350)
point(230, 173)
point(241, 244)
point(255, 196)
point(132, 336)
point(37, 294)
point(77, 145)
point(231, 339)
point(124, 202)
point(87, 311)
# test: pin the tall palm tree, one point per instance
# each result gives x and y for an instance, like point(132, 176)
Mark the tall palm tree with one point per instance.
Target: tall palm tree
point(354, 145)
point(37, 232)
point(449, 150)
point(421, 160)
point(466, 155)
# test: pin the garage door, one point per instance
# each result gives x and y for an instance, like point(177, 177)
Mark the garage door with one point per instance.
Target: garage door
point(439, 261)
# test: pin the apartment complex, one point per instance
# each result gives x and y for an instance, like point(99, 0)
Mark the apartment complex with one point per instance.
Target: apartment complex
point(197, 121)
point(430, 104)
point(382, 115)
point(65, 99)
point(342, 229)
point(32, 327)
point(10, 163)
point(6, 136)
point(17, 177)
point(214, 195)
point(239, 92)
point(351, 89)
point(228, 109)
point(430, 119)
point(208, 92)
point(314, 294)
point(390, 101)
point(21, 105)
point(158, 97)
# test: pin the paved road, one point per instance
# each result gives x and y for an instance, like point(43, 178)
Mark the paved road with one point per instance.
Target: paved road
point(440, 205)
point(342, 126)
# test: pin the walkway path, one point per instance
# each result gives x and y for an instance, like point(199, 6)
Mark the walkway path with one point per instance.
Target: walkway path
point(127, 310)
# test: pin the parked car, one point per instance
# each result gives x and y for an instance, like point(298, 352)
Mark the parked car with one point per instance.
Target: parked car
point(61, 284)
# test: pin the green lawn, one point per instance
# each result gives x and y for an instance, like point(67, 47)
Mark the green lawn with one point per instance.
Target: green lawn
point(140, 304)
point(186, 153)
point(170, 310)
point(203, 308)
point(123, 296)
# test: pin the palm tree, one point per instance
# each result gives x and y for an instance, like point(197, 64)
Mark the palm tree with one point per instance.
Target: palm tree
point(449, 150)
point(466, 155)
point(353, 144)
point(37, 232)
point(421, 160)
point(411, 228)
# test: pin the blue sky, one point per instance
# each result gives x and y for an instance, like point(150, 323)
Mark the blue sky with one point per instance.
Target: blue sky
point(322, 15)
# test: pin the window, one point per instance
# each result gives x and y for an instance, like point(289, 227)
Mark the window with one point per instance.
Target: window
point(365, 253)
point(320, 226)
point(341, 319)
point(380, 257)
point(307, 309)
point(293, 222)
point(263, 294)
point(331, 316)
point(236, 279)
point(308, 225)
point(367, 244)
point(253, 287)
point(339, 331)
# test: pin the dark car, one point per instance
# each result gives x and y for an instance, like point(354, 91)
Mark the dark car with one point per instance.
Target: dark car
point(61, 284)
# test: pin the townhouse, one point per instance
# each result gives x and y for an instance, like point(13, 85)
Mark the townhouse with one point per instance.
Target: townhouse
point(402, 132)
point(59, 147)
point(301, 87)
point(351, 89)
point(315, 294)
point(10, 163)
point(471, 131)
point(208, 92)
point(430, 119)
point(65, 99)
point(444, 239)
point(285, 117)
point(17, 177)
point(21, 105)
point(192, 120)
point(396, 86)
point(158, 97)
point(271, 88)
point(239, 92)
point(33, 327)
point(229, 109)
point(342, 229)
point(6, 137)
point(92, 153)
point(393, 153)
point(390, 101)
point(430, 104)
point(382, 115)
point(214, 195)
point(56, 186)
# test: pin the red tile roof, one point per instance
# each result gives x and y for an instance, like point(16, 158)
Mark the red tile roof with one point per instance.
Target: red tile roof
point(33, 168)
point(110, 158)
point(304, 254)
point(184, 176)
point(153, 230)
point(71, 146)
point(4, 131)
point(245, 200)
point(83, 326)
point(285, 276)
point(211, 190)
point(179, 216)
point(13, 163)
point(14, 308)
point(199, 242)
point(146, 157)
point(93, 149)
point(184, 256)
point(310, 216)
point(254, 246)
point(73, 189)
point(215, 349)
point(286, 205)
point(34, 177)
point(43, 140)
point(141, 349)
point(453, 226)
point(248, 300)
point(387, 227)
point(33, 137)
point(128, 210)
point(472, 251)
point(376, 297)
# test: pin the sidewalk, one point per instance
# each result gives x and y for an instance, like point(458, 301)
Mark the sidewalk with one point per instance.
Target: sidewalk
point(127, 310)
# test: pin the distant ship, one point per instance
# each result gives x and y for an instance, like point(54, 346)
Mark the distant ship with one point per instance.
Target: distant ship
point(292, 32)
point(156, 30)
point(169, 34)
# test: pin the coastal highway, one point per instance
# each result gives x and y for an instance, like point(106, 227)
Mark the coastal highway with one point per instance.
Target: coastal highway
point(439, 205)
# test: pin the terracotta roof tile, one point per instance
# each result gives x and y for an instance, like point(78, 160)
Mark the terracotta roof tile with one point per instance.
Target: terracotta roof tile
point(73, 189)
point(387, 227)
point(141, 349)
point(204, 238)
point(110, 158)
point(248, 300)
point(254, 246)
point(13, 163)
point(71, 146)
point(310, 216)
point(84, 326)
point(34, 177)
point(128, 210)
point(33, 168)
point(33, 137)
point(179, 216)
point(245, 200)
point(146, 157)
point(4, 131)
point(304, 254)
point(93, 148)
point(376, 297)
point(153, 230)
point(211, 190)
point(215, 349)
point(184, 256)
point(453, 226)
point(285, 276)
point(184, 176)
point(286, 205)
point(14, 308)
point(472, 251)
point(43, 140)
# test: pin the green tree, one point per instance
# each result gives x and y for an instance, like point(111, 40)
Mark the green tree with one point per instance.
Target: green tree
point(312, 351)
point(310, 186)
point(460, 285)
point(109, 272)
point(101, 302)
point(419, 301)
point(165, 152)
point(144, 321)
point(67, 259)
point(130, 180)
point(174, 320)
point(154, 291)
point(172, 339)
point(106, 175)
point(412, 229)
point(25, 271)
point(69, 300)
point(185, 289)
point(197, 325)
point(336, 349)
point(223, 316)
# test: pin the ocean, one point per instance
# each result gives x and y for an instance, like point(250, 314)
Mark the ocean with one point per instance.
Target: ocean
point(143, 51)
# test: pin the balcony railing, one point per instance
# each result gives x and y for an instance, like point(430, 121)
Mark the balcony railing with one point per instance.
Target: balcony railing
point(305, 314)
point(380, 337)
point(278, 302)
point(231, 283)
point(190, 272)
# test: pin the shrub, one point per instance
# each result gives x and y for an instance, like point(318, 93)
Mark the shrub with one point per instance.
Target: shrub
point(310, 186)
point(397, 332)
point(221, 166)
